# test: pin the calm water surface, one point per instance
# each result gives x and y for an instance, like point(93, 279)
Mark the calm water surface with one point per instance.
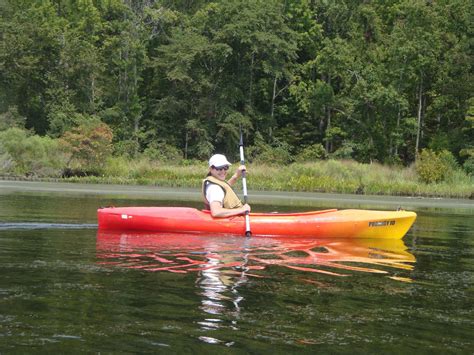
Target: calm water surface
point(66, 287)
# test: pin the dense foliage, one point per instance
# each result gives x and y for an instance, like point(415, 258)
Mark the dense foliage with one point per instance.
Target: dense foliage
point(365, 80)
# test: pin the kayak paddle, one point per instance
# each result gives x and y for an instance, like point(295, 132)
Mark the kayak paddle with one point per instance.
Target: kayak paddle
point(248, 233)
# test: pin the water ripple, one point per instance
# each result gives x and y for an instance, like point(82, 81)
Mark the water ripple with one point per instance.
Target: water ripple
point(36, 225)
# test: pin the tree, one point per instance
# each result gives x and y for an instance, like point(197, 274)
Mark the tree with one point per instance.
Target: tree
point(215, 63)
point(30, 53)
point(87, 145)
point(124, 46)
point(371, 80)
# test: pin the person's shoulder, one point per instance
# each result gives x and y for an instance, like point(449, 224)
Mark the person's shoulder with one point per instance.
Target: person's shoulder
point(213, 186)
point(215, 193)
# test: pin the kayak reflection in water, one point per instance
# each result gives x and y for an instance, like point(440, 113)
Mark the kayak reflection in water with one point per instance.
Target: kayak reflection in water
point(185, 253)
point(220, 265)
point(218, 195)
point(223, 265)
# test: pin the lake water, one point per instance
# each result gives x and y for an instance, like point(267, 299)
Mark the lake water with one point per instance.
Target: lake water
point(65, 287)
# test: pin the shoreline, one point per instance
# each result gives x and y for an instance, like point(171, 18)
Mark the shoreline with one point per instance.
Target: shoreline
point(256, 197)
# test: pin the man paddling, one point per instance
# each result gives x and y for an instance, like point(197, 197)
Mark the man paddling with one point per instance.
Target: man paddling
point(218, 195)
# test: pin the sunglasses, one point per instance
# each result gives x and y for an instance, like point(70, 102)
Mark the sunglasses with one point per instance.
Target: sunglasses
point(225, 167)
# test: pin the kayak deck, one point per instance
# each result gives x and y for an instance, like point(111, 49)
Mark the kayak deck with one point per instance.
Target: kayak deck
point(350, 223)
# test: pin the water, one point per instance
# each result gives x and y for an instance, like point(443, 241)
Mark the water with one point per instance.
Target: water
point(65, 287)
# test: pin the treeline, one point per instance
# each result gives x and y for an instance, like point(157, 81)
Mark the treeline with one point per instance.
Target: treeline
point(175, 79)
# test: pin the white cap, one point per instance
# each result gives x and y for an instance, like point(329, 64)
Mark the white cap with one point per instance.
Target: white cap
point(218, 160)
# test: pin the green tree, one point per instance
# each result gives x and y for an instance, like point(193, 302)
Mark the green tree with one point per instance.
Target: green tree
point(124, 47)
point(370, 80)
point(415, 49)
point(213, 64)
point(30, 43)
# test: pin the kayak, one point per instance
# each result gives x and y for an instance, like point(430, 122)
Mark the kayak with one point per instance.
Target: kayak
point(350, 223)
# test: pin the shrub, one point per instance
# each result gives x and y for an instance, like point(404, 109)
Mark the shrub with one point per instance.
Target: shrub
point(469, 165)
point(163, 152)
point(6, 161)
point(64, 118)
point(272, 155)
point(143, 169)
point(116, 167)
point(312, 153)
point(24, 154)
point(88, 147)
point(11, 118)
point(344, 152)
point(126, 148)
point(432, 167)
point(276, 153)
point(468, 155)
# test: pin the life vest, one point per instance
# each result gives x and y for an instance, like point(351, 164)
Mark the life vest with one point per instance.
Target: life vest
point(231, 200)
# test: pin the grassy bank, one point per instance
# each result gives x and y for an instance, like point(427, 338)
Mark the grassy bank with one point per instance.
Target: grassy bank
point(321, 176)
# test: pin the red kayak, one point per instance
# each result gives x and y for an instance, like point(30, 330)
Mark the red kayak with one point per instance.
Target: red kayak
point(317, 224)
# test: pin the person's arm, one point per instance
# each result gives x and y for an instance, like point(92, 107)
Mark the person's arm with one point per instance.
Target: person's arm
point(218, 211)
point(237, 174)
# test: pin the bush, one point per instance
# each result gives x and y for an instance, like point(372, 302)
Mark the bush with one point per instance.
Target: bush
point(469, 165)
point(116, 167)
point(312, 153)
point(432, 167)
point(272, 155)
point(126, 148)
point(24, 154)
point(88, 147)
point(275, 153)
point(163, 152)
point(6, 161)
point(344, 152)
point(11, 118)
point(467, 154)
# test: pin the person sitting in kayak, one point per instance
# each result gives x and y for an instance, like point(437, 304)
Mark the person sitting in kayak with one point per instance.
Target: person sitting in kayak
point(218, 195)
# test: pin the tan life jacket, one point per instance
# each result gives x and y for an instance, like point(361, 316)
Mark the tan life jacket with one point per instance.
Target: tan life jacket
point(231, 200)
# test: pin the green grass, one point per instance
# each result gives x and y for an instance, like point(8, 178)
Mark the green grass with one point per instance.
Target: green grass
point(332, 176)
